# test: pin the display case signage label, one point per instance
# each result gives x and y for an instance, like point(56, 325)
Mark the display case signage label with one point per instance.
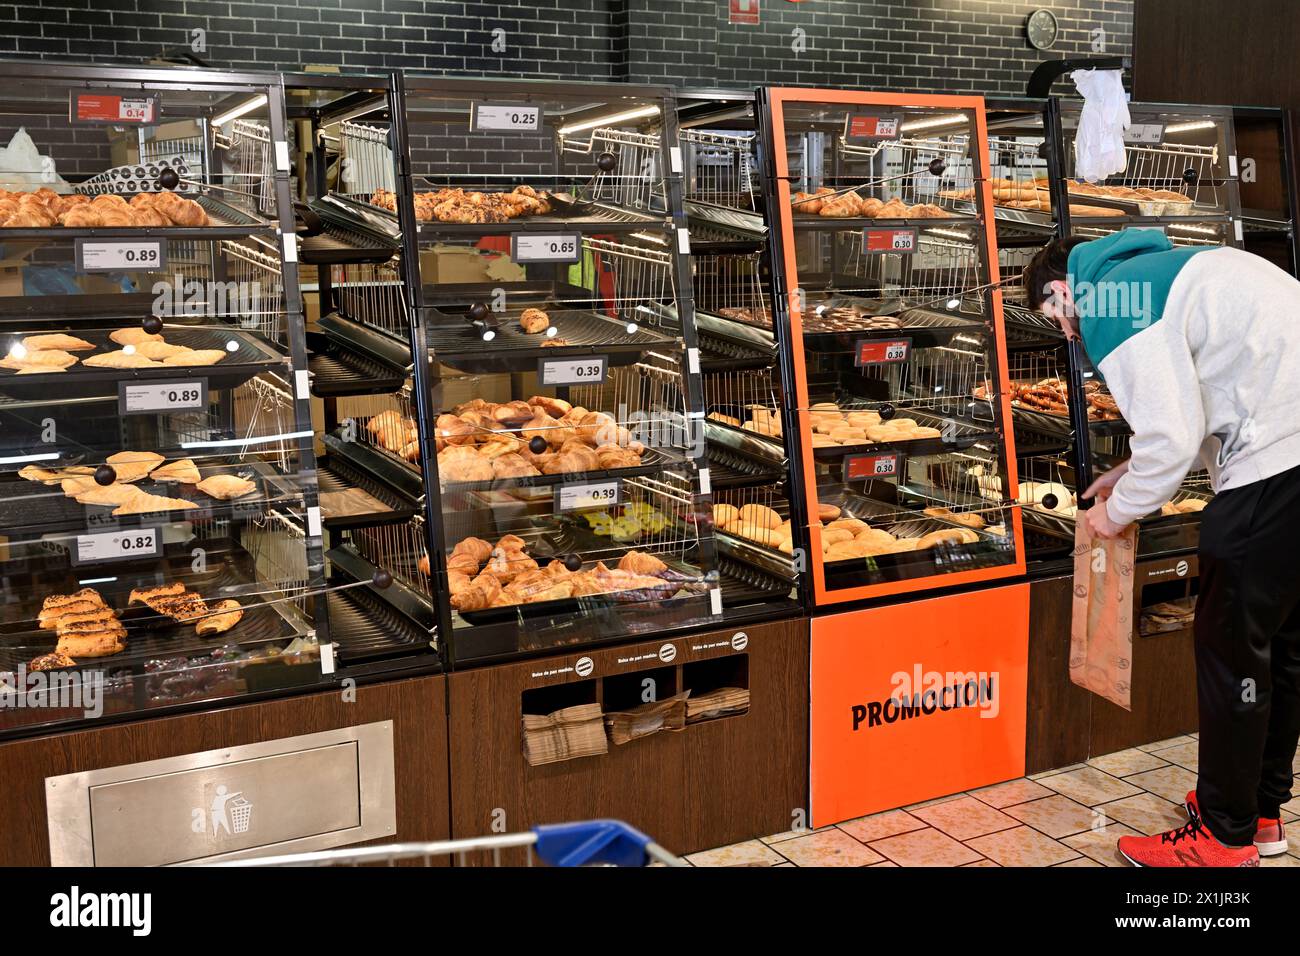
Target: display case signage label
point(592, 494)
point(147, 398)
point(1146, 134)
point(742, 12)
point(121, 255)
point(873, 127)
point(130, 544)
point(882, 351)
point(590, 370)
point(540, 247)
point(867, 467)
point(879, 241)
point(508, 117)
point(114, 108)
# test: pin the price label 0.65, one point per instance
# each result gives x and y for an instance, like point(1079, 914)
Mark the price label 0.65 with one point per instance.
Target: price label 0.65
point(867, 467)
point(594, 494)
point(582, 371)
point(881, 241)
point(508, 117)
point(116, 546)
point(121, 255)
point(881, 351)
point(148, 398)
point(538, 247)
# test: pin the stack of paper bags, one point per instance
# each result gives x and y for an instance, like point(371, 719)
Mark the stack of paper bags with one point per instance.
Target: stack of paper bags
point(722, 702)
point(666, 714)
point(565, 734)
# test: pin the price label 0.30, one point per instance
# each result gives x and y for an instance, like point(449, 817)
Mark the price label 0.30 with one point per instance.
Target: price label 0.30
point(590, 370)
point(116, 546)
point(867, 467)
point(149, 398)
point(881, 351)
point(506, 117)
point(877, 242)
point(540, 247)
point(592, 494)
point(121, 255)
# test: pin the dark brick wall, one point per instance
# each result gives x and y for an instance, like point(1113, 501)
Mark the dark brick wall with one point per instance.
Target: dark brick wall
point(930, 45)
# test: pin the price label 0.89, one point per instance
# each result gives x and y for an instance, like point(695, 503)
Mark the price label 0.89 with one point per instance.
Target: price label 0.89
point(881, 351)
point(116, 546)
point(867, 467)
point(880, 241)
point(149, 398)
point(594, 494)
point(581, 371)
point(509, 117)
point(537, 247)
point(121, 255)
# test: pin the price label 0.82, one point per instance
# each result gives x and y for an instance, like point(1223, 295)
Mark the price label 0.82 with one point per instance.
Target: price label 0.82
point(149, 398)
point(880, 241)
point(590, 370)
point(867, 467)
point(592, 494)
point(125, 545)
point(881, 351)
point(539, 247)
point(507, 117)
point(121, 255)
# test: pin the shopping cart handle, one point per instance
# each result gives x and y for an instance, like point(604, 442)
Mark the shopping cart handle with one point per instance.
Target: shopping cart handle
point(592, 841)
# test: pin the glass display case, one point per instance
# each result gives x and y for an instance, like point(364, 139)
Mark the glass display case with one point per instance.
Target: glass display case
point(556, 389)
point(160, 537)
point(881, 211)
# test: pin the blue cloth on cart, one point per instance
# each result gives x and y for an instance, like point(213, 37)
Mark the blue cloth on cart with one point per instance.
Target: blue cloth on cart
point(592, 841)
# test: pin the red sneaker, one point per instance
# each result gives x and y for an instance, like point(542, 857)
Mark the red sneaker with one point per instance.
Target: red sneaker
point(1270, 837)
point(1189, 845)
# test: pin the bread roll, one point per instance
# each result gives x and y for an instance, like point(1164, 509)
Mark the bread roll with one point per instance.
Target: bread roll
point(724, 514)
point(760, 515)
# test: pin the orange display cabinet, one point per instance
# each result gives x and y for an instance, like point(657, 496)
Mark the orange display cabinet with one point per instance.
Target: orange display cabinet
point(888, 313)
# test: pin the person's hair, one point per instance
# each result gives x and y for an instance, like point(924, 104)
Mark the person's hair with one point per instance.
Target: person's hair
point(1050, 263)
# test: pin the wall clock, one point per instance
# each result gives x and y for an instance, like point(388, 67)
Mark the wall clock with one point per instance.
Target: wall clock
point(1041, 29)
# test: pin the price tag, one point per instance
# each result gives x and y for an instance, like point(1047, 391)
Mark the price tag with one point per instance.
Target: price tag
point(584, 371)
point(148, 398)
point(114, 108)
point(556, 247)
point(510, 117)
point(865, 467)
point(1148, 134)
point(881, 351)
point(121, 255)
point(879, 241)
point(596, 494)
point(873, 127)
point(116, 546)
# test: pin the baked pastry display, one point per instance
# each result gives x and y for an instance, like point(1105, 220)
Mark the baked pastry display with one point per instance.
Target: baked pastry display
point(534, 321)
point(195, 357)
point(50, 662)
point(226, 487)
point(58, 341)
point(133, 336)
point(832, 425)
point(39, 361)
point(184, 471)
point(222, 616)
point(45, 208)
point(849, 205)
point(1050, 396)
point(469, 206)
point(121, 359)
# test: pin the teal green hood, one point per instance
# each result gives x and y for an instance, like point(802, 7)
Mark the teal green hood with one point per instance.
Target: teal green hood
point(1120, 284)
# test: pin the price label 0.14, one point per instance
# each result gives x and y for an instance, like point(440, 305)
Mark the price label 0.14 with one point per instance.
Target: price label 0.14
point(880, 241)
point(113, 108)
point(873, 127)
point(121, 255)
point(582, 371)
point(116, 546)
point(881, 351)
point(867, 467)
point(148, 398)
point(592, 494)
point(539, 247)
point(507, 117)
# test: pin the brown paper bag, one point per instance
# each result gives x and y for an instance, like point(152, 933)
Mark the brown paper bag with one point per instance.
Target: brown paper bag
point(1101, 628)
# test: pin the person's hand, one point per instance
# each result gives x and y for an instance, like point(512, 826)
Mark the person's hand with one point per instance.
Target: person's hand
point(1102, 486)
point(1100, 524)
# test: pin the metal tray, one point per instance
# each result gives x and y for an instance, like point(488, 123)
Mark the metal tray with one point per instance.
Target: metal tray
point(338, 370)
point(335, 473)
point(352, 233)
point(963, 434)
point(926, 327)
point(227, 222)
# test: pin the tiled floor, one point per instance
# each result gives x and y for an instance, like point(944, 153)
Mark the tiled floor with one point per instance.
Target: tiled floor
point(1066, 817)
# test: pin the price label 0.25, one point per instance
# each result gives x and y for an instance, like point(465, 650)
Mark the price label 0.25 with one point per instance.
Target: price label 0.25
point(121, 255)
point(592, 494)
point(116, 546)
point(881, 351)
point(590, 370)
point(867, 467)
point(880, 241)
point(507, 117)
point(149, 398)
point(539, 247)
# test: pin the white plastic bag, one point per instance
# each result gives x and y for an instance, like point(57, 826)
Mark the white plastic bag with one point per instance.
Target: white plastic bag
point(1099, 143)
point(24, 170)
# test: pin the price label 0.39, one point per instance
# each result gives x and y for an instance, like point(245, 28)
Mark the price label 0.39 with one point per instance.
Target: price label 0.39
point(116, 546)
point(593, 494)
point(121, 255)
point(540, 247)
point(590, 370)
point(149, 398)
point(506, 117)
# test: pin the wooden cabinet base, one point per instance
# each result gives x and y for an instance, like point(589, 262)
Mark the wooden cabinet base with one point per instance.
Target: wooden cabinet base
point(416, 707)
point(711, 783)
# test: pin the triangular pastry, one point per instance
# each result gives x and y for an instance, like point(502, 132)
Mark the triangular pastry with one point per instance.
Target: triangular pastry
point(133, 336)
point(184, 471)
point(57, 340)
point(120, 359)
point(226, 487)
point(144, 503)
point(195, 357)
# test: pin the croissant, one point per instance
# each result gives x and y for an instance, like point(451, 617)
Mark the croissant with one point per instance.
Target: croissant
point(613, 456)
point(638, 562)
point(513, 413)
point(488, 583)
point(511, 542)
point(476, 548)
point(507, 564)
point(493, 450)
point(29, 217)
point(463, 563)
point(117, 218)
point(470, 469)
point(456, 580)
point(591, 425)
point(184, 212)
point(513, 466)
point(471, 598)
point(109, 199)
point(453, 430)
point(555, 407)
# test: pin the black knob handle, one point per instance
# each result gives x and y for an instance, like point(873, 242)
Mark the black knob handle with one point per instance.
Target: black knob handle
point(607, 162)
point(937, 166)
point(573, 562)
point(168, 178)
point(479, 311)
point(537, 445)
point(105, 475)
point(887, 412)
point(1049, 501)
point(381, 579)
point(152, 324)
point(1190, 176)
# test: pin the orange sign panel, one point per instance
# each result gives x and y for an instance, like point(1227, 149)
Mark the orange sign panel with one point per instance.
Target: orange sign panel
point(917, 700)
